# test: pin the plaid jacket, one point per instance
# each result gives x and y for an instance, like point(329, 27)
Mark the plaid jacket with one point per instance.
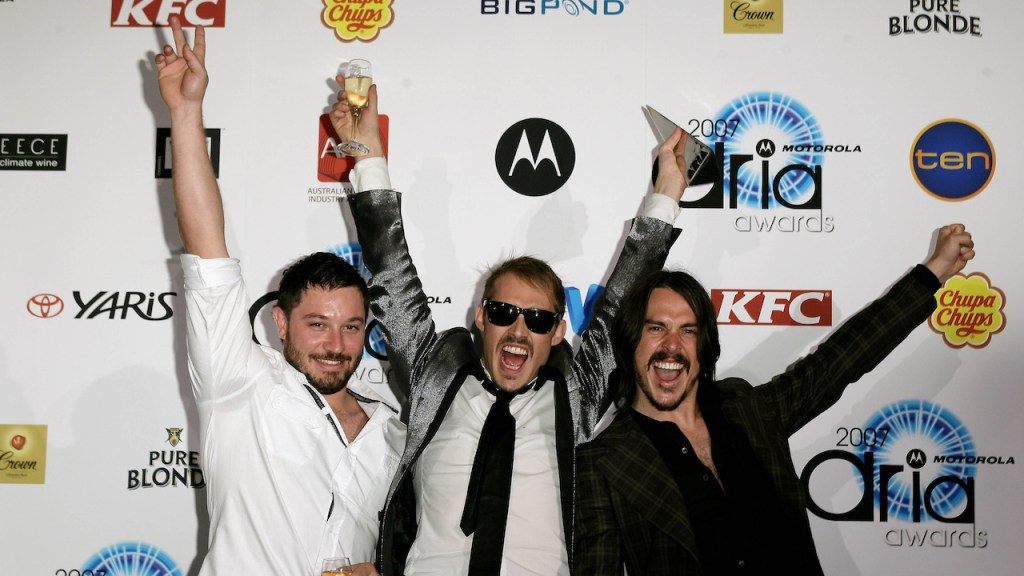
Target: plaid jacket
point(630, 512)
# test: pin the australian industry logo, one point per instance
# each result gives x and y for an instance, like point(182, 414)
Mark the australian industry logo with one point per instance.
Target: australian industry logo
point(357, 19)
point(970, 311)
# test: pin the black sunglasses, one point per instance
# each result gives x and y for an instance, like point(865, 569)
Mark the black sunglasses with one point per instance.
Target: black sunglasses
point(537, 321)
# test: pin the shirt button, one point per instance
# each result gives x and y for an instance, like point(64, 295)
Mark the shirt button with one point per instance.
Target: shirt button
point(741, 563)
point(684, 450)
point(705, 477)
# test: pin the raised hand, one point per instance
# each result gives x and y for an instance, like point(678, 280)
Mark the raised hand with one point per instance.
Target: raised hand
point(953, 250)
point(671, 179)
point(181, 71)
point(344, 122)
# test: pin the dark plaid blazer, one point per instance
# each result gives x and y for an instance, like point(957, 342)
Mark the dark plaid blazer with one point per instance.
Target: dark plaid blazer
point(434, 365)
point(630, 511)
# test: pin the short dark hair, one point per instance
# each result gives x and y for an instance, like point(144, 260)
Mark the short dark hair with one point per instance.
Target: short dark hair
point(318, 270)
point(533, 271)
point(629, 324)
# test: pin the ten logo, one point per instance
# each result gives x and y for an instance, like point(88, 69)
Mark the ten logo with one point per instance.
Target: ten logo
point(953, 160)
point(535, 157)
point(151, 13)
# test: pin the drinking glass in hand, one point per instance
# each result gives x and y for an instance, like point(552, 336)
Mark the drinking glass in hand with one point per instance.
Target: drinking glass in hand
point(336, 567)
point(358, 79)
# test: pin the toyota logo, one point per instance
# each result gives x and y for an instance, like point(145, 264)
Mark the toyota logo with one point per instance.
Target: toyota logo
point(45, 305)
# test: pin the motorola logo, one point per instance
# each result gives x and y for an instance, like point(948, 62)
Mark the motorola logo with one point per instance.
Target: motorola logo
point(535, 157)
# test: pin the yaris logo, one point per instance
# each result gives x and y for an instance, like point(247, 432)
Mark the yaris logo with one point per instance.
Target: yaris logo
point(535, 157)
point(152, 13)
point(45, 305)
point(773, 307)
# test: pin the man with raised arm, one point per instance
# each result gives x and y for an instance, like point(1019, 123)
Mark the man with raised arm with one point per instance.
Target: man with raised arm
point(485, 486)
point(297, 454)
point(695, 476)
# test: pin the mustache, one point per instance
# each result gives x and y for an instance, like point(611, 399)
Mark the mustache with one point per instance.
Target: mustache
point(662, 355)
point(523, 341)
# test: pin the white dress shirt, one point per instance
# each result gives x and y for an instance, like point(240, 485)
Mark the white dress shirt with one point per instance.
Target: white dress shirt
point(274, 465)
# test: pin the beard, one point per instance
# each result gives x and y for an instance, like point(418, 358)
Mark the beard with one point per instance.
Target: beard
point(331, 382)
point(647, 388)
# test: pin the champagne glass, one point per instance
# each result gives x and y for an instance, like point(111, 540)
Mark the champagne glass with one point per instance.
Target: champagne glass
point(358, 79)
point(338, 566)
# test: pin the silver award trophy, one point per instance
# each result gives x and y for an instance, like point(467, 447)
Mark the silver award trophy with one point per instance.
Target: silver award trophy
point(700, 159)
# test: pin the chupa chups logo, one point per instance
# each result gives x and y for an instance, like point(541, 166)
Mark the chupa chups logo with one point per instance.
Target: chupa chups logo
point(18, 442)
point(357, 19)
point(34, 152)
point(45, 305)
point(164, 164)
point(535, 157)
point(153, 13)
point(953, 160)
point(773, 307)
point(753, 17)
point(333, 166)
point(134, 558)
point(970, 311)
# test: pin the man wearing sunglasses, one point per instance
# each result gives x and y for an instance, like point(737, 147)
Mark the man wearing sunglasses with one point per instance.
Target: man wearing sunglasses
point(486, 484)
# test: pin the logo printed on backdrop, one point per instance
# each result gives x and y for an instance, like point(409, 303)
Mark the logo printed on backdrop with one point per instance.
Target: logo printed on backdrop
point(131, 559)
point(938, 16)
point(969, 312)
point(169, 468)
point(753, 17)
point(535, 157)
point(157, 13)
point(335, 167)
point(45, 305)
point(581, 311)
point(357, 19)
point(953, 160)
point(164, 157)
point(545, 7)
point(110, 305)
point(23, 453)
point(914, 462)
point(773, 307)
point(34, 152)
point(784, 186)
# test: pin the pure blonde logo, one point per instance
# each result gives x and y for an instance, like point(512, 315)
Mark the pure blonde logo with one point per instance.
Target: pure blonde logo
point(970, 311)
point(357, 19)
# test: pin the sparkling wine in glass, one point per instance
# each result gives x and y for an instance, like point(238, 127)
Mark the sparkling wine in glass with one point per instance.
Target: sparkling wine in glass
point(339, 566)
point(358, 79)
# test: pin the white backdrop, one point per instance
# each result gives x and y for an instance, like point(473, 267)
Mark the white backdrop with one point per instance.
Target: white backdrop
point(90, 393)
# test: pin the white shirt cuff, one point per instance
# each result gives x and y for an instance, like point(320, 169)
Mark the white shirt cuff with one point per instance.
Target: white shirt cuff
point(661, 207)
point(370, 174)
point(202, 273)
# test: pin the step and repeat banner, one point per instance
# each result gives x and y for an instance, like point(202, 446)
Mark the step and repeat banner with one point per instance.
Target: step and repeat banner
point(846, 135)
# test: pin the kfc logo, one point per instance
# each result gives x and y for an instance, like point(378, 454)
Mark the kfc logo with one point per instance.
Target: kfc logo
point(152, 13)
point(773, 307)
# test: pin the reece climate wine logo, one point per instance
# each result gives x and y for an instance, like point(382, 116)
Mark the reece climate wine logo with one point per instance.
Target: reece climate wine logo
point(535, 157)
point(357, 19)
point(970, 311)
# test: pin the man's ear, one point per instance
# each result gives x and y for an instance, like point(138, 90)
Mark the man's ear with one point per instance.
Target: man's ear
point(558, 334)
point(281, 319)
point(480, 317)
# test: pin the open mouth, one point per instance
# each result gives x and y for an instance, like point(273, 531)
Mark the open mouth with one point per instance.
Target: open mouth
point(513, 357)
point(668, 370)
point(329, 363)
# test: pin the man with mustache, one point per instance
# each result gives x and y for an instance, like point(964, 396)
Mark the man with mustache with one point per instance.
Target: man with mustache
point(485, 486)
point(694, 475)
point(297, 454)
